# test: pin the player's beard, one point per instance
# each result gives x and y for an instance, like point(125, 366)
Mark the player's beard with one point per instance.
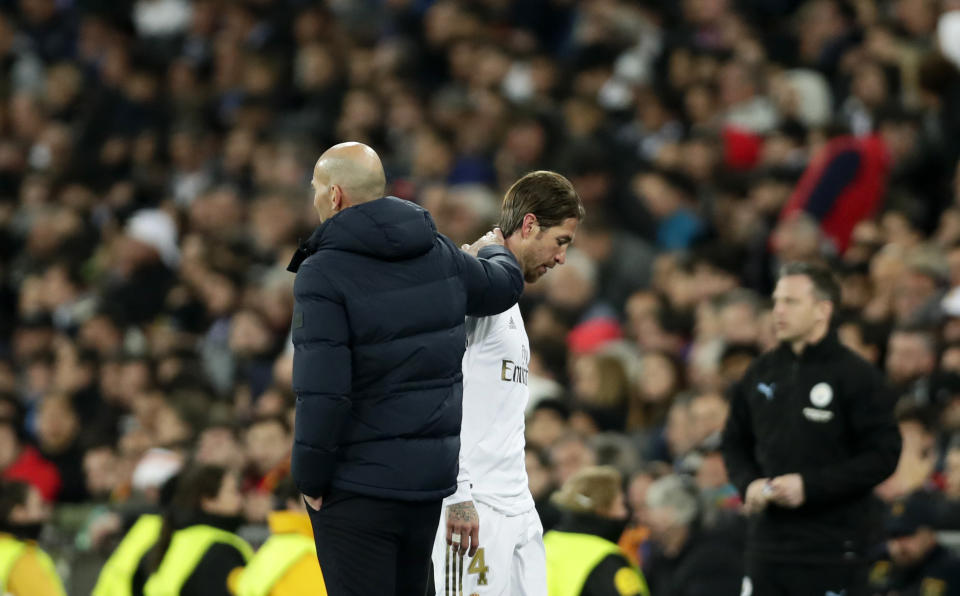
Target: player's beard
point(532, 273)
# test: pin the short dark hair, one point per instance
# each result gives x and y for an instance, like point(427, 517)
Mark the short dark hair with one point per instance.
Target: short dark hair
point(539, 454)
point(557, 406)
point(736, 350)
point(271, 419)
point(825, 285)
point(12, 494)
point(285, 490)
point(547, 195)
point(871, 334)
point(906, 410)
point(927, 334)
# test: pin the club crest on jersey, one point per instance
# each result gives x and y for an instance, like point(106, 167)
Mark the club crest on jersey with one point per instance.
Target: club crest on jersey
point(821, 395)
point(511, 324)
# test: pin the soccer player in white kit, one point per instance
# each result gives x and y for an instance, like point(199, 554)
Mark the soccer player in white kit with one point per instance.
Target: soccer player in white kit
point(539, 218)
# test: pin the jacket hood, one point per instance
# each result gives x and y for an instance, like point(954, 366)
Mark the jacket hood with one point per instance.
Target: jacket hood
point(388, 229)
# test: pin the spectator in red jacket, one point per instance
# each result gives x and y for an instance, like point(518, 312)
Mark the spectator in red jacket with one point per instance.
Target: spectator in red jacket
point(842, 185)
point(23, 462)
point(847, 181)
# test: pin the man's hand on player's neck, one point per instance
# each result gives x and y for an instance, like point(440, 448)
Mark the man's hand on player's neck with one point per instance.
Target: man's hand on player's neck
point(492, 238)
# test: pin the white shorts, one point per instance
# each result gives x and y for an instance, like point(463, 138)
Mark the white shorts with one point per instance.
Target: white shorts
point(510, 561)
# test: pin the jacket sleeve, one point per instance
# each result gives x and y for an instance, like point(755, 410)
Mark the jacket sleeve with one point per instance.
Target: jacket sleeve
point(876, 444)
point(494, 281)
point(739, 440)
point(321, 379)
point(614, 576)
point(464, 485)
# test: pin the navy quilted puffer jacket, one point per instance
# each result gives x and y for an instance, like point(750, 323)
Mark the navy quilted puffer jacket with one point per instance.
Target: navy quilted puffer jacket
point(380, 300)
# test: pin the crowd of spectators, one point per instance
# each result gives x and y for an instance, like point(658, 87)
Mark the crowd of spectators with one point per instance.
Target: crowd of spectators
point(155, 158)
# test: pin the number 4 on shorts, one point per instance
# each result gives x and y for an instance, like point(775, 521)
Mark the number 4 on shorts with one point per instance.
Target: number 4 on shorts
point(479, 566)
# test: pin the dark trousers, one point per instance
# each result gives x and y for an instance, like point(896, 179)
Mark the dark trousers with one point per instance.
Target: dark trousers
point(374, 547)
point(769, 578)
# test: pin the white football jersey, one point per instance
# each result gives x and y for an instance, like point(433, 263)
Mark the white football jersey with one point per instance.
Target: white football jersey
point(495, 370)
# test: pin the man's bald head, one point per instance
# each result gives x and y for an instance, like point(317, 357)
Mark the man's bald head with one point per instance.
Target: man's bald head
point(355, 168)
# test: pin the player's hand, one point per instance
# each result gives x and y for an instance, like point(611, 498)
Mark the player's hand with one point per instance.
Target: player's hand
point(463, 528)
point(314, 503)
point(758, 495)
point(492, 238)
point(787, 490)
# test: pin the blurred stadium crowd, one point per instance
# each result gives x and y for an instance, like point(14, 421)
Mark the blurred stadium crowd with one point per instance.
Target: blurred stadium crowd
point(155, 158)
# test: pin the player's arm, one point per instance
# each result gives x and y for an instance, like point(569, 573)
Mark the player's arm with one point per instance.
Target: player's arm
point(463, 522)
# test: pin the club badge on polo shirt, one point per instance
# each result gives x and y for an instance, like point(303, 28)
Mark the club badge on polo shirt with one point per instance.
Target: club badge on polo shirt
point(821, 395)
